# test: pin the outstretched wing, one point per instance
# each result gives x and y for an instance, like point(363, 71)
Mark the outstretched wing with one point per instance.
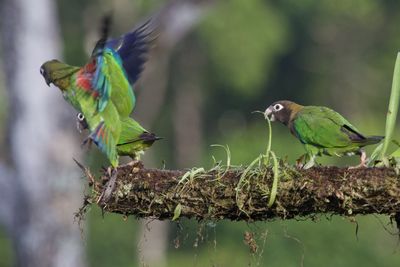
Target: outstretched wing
point(116, 65)
point(132, 49)
point(323, 127)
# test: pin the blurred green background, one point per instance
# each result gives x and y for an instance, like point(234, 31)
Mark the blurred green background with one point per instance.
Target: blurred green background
point(241, 57)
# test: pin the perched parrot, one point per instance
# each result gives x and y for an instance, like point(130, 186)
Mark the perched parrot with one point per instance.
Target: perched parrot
point(133, 138)
point(321, 130)
point(102, 91)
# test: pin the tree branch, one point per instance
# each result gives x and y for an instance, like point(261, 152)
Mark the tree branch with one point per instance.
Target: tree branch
point(239, 194)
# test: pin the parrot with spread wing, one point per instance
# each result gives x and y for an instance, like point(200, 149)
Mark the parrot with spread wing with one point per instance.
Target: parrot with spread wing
point(101, 91)
point(321, 130)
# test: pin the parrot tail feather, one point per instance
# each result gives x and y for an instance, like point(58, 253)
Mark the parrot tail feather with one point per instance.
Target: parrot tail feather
point(149, 137)
point(145, 137)
point(370, 140)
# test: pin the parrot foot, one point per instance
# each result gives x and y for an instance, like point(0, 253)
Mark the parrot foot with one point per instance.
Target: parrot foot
point(304, 157)
point(309, 164)
point(109, 186)
point(363, 163)
point(299, 162)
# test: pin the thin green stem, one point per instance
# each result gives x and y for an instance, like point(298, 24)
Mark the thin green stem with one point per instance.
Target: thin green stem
point(274, 188)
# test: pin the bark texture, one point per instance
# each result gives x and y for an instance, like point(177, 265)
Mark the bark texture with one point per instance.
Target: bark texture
point(235, 195)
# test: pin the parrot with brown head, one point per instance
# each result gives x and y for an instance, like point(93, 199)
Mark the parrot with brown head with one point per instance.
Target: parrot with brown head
point(321, 130)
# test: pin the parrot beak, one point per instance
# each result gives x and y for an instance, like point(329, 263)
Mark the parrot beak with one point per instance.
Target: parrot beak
point(47, 80)
point(268, 114)
point(45, 75)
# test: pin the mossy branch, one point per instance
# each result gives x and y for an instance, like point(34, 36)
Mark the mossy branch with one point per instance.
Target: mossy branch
point(218, 195)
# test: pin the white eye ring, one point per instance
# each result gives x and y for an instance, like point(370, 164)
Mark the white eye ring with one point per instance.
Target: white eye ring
point(41, 71)
point(278, 107)
point(81, 117)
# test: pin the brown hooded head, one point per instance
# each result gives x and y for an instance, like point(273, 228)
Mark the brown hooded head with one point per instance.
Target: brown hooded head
point(283, 111)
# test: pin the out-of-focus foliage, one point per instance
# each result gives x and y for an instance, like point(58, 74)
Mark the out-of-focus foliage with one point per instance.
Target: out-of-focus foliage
point(112, 241)
point(335, 53)
point(243, 40)
point(324, 242)
point(6, 253)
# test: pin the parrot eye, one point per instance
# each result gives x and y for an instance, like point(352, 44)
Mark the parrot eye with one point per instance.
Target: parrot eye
point(81, 117)
point(41, 71)
point(278, 107)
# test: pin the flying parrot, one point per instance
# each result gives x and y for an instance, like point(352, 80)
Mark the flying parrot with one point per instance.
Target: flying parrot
point(101, 91)
point(321, 130)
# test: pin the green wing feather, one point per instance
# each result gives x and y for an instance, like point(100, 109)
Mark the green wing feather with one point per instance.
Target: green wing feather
point(133, 138)
point(110, 81)
point(131, 130)
point(104, 126)
point(325, 128)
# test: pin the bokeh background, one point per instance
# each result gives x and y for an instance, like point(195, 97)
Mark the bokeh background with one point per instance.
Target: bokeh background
point(214, 63)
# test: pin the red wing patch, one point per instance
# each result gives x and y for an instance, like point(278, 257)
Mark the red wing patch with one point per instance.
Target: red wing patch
point(84, 82)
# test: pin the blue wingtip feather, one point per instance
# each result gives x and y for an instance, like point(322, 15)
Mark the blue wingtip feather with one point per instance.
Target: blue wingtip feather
point(101, 85)
point(132, 49)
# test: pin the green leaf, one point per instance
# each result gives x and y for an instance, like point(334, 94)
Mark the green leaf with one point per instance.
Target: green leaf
point(375, 155)
point(393, 108)
point(177, 212)
point(395, 154)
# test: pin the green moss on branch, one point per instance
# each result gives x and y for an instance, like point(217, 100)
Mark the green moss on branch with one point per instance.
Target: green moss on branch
point(217, 195)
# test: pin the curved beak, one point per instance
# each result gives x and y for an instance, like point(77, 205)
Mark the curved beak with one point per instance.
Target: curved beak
point(268, 114)
point(48, 82)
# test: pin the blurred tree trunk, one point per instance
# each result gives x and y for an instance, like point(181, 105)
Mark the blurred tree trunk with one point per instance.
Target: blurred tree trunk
point(187, 113)
point(177, 19)
point(41, 192)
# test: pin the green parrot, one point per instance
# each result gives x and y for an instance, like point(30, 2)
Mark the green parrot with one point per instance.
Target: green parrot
point(321, 130)
point(101, 91)
point(133, 139)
